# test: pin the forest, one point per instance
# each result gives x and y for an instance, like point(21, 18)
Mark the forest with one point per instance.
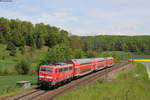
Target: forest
point(138, 44)
point(59, 45)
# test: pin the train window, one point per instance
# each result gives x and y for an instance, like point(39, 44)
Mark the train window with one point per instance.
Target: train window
point(63, 70)
point(66, 69)
point(60, 70)
point(70, 68)
point(45, 69)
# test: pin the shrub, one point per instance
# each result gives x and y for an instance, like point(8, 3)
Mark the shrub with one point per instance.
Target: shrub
point(11, 47)
point(12, 52)
point(1, 73)
point(6, 71)
point(22, 67)
point(22, 49)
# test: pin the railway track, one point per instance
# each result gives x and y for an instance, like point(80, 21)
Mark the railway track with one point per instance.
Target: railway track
point(37, 94)
point(31, 95)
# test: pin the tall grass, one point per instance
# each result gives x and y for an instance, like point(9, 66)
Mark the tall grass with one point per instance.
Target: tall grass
point(132, 85)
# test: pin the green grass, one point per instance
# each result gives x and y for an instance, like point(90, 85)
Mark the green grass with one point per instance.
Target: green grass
point(32, 55)
point(8, 83)
point(139, 56)
point(131, 85)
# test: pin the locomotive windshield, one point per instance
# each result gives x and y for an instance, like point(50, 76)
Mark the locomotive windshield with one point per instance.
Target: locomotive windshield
point(45, 69)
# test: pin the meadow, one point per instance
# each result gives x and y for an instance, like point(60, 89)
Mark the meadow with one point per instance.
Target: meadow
point(129, 85)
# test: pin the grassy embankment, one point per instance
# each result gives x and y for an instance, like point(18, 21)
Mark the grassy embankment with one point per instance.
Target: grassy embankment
point(9, 76)
point(32, 55)
point(129, 85)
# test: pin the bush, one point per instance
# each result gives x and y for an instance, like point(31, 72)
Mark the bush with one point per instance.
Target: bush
point(1, 72)
point(22, 49)
point(11, 47)
point(6, 71)
point(12, 52)
point(22, 67)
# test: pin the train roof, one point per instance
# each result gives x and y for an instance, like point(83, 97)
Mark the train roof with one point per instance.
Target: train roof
point(99, 59)
point(58, 64)
point(109, 58)
point(81, 61)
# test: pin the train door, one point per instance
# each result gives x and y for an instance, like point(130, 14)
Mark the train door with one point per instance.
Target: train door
point(57, 74)
point(61, 74)
point(77, 71)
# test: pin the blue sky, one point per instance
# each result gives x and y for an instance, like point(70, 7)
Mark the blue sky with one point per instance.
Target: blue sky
point(84, 17)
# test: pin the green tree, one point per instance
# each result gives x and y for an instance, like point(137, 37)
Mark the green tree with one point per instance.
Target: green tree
point(22, 67)
point(11, 47)
point(79, 53)
point(39, 41)
point(58, 53)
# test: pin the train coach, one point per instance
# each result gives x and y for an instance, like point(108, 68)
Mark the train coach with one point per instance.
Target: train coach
point(81, 66)
point(55, 74)
point(101, 63)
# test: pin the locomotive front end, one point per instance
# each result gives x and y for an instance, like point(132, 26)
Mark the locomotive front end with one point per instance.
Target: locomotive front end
point(45, 76)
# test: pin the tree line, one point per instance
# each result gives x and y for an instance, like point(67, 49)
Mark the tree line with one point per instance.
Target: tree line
point(138, 44)
point(20, 33)
point(62, 45)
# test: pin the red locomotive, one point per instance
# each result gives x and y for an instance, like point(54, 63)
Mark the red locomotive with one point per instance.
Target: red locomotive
point(55, 74)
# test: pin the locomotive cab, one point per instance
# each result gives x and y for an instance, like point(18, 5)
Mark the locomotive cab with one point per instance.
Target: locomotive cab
point(46, 75)
point(55, 74)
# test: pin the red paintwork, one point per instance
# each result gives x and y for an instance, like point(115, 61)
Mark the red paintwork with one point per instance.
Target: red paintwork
point(78, 69)
point(43, 75)
point(109, 62)
point(55, 74)
point(101, 64)
point(82, 69)
point(95, 64)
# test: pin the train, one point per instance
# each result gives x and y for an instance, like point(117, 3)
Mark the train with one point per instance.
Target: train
point(55, 74)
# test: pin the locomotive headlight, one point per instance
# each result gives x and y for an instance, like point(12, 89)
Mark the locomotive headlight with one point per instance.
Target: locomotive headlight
point(49, 77)
point(41, 76)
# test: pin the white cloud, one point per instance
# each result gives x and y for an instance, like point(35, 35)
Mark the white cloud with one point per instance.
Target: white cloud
point(85, 17)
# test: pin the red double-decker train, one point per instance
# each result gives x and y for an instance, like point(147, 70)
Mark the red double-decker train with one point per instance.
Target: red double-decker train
point(53, 75)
